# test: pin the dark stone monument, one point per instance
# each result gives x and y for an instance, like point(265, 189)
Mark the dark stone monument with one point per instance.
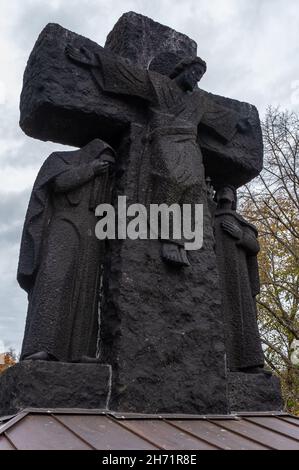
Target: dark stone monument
point(45, 384)
point(161, 318)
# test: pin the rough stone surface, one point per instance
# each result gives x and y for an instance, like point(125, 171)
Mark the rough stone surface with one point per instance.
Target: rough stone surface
point(142, 39)
point(239, 160)
point(161, 328)
point(40, 384)
point(61, 102)
point(254, 392)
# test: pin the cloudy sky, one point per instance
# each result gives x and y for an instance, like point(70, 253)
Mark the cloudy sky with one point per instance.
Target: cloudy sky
point(252, 52)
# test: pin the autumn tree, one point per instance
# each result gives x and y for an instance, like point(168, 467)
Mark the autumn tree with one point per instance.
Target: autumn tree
point(7, 359)
point(271, 202)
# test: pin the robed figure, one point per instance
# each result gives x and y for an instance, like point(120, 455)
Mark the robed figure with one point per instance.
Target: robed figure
point(237, 248)
point(60, 256)
point(173, 107)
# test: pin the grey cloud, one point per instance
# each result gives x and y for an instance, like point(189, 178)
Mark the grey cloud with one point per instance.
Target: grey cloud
point(11, 234)
point(12, 212)
point(83, 16)
point(13, 205)
point(13, 301)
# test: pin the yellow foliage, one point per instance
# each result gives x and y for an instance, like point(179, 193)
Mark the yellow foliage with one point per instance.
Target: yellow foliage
point(6, 360)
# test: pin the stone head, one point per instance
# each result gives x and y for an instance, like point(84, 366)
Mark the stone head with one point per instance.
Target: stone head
point(188, 73)
point(185, 71)
point(226, 197)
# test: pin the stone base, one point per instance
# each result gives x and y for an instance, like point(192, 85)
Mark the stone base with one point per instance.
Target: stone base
point(41, 384)
point(254, 392)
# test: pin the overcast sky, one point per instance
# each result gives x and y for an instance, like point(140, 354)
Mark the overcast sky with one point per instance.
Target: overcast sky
point(252, 52)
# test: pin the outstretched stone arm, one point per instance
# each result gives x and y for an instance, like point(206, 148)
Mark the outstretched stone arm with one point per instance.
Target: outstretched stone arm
point(223, 121)
point(82, 56)
point(112, 74)
point(75, 177)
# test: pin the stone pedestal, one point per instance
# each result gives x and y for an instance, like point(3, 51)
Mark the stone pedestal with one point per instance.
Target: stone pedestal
point(41, 384)
point(254, 392)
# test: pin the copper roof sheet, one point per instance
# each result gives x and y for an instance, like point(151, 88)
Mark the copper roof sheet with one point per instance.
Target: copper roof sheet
point(97, 429)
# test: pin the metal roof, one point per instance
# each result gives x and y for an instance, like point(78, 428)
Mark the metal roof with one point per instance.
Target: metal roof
point(98, 429)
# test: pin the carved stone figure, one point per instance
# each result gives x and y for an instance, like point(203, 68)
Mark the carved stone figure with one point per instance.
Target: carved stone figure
point(161, 335)
point(174, 110)
point(60, 257)
point(237, 248)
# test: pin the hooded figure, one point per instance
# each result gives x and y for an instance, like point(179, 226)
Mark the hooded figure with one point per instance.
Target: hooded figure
point(60, 257)
point(236, 249)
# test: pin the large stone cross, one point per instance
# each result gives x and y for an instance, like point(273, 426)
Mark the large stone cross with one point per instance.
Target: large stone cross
point(161, 328)
point(61, 102)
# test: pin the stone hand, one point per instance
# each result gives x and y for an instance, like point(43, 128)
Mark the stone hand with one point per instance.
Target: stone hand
point(243, 125)
point(108, 158)
point(82, 55)
point(99, 166)
point(232, 229)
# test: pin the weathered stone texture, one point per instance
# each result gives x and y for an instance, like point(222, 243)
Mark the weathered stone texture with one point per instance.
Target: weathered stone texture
point(42, 384)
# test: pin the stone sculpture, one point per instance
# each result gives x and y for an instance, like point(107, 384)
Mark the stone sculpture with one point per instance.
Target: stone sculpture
point(174, 109)
point(60, 258)
point(237, 248)
point(169, 340)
